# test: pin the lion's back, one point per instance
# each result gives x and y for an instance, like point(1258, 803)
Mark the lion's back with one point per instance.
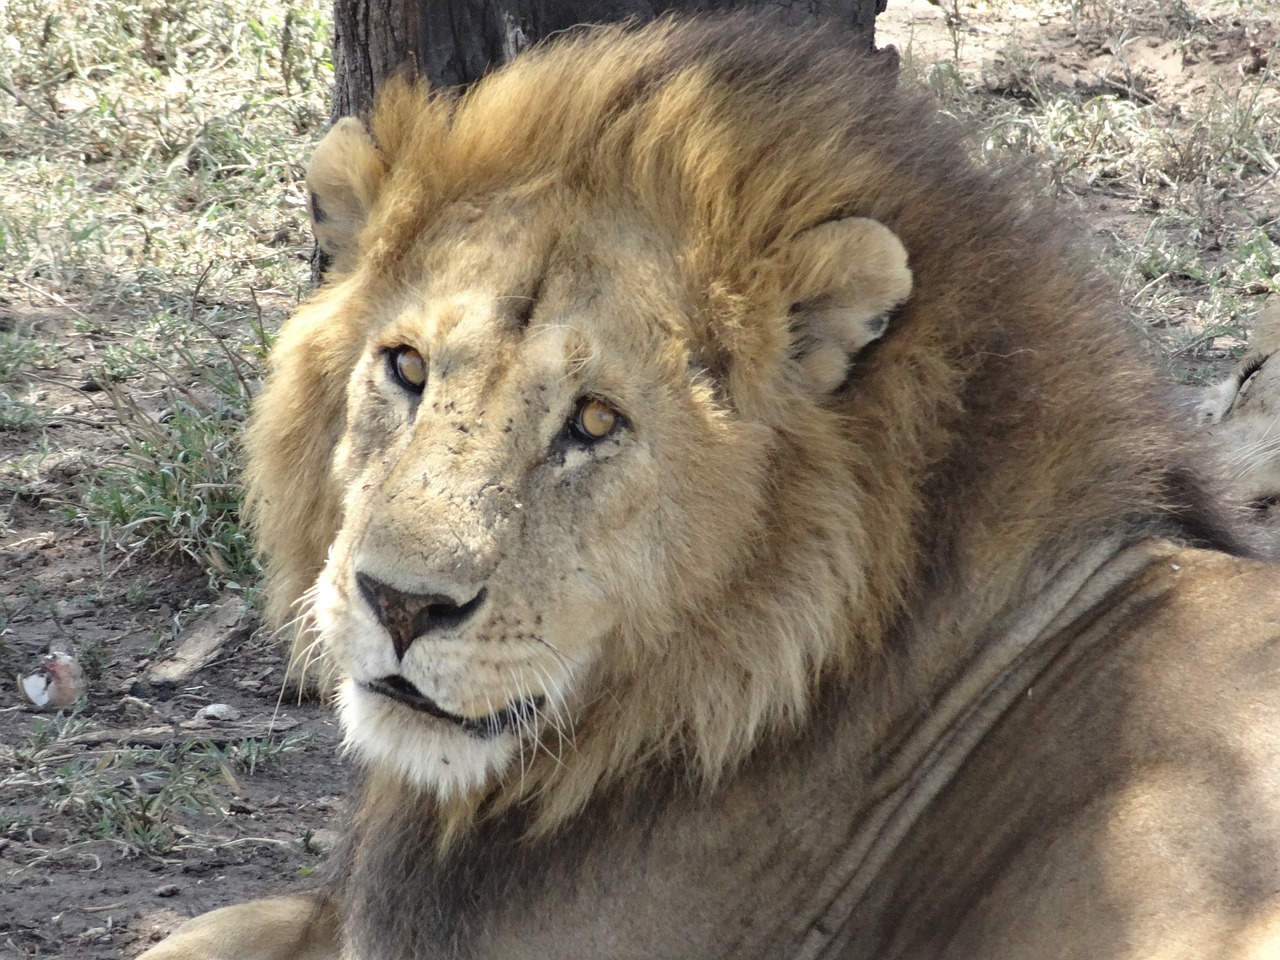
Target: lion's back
point(1131, 788)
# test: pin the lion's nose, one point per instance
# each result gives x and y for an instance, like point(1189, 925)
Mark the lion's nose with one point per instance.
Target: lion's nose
point(408, 616)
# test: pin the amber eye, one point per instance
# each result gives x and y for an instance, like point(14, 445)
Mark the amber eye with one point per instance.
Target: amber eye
point(408, 367)
point(593, 420)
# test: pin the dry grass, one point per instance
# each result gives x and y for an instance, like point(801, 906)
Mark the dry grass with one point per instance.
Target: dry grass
point(1160, 121)
point(144, 801)
point(143, 142)
point(150, 165)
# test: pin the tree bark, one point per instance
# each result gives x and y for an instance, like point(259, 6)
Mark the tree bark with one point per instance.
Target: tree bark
point(454, 42)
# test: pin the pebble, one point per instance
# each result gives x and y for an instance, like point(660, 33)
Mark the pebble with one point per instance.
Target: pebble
point(218, 711)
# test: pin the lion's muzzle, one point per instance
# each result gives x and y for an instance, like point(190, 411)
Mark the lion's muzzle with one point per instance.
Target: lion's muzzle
point(408, 616)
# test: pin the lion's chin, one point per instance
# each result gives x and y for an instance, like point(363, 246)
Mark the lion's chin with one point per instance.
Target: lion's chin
point(432, 754)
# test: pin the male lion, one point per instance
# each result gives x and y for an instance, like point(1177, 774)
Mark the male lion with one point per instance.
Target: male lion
point(743, 529)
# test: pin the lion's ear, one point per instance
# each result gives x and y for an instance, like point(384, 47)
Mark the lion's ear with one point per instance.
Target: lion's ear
point(344, 177)
point(842, 278)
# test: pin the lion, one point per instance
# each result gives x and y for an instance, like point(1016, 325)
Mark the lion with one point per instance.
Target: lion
point(1242, 415)
point(741, 526)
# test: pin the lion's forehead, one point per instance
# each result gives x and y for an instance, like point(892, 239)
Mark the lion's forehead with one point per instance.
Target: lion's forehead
point(501, 268)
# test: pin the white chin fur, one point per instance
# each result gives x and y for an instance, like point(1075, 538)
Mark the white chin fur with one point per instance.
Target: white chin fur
point(424, 752)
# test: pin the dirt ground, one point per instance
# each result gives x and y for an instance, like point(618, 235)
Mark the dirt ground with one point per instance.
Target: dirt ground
point(130, 813)
point(1196, 69)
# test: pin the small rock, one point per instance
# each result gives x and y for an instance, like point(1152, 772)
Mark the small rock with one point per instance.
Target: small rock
point(200, 644)
point(218, 711)
point(168, 890)
point(322, 841)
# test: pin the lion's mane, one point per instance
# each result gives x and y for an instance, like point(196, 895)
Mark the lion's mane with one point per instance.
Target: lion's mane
point(1004, 424)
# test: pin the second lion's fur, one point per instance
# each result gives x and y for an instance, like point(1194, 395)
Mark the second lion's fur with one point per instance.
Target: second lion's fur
point(1242, 417)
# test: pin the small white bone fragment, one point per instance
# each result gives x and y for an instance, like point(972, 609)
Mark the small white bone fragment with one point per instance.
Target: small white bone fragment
point(59, 683)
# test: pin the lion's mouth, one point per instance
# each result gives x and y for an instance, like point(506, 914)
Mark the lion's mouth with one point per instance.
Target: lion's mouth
point(506, 720)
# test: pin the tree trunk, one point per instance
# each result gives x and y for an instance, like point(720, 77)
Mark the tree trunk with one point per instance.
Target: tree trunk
point(453, 42)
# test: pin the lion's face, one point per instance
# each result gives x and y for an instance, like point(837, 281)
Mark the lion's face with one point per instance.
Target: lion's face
point(548, 484)
point(1243, 417)
point(524, 433)
point(1251, 432)
point(545, 426)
